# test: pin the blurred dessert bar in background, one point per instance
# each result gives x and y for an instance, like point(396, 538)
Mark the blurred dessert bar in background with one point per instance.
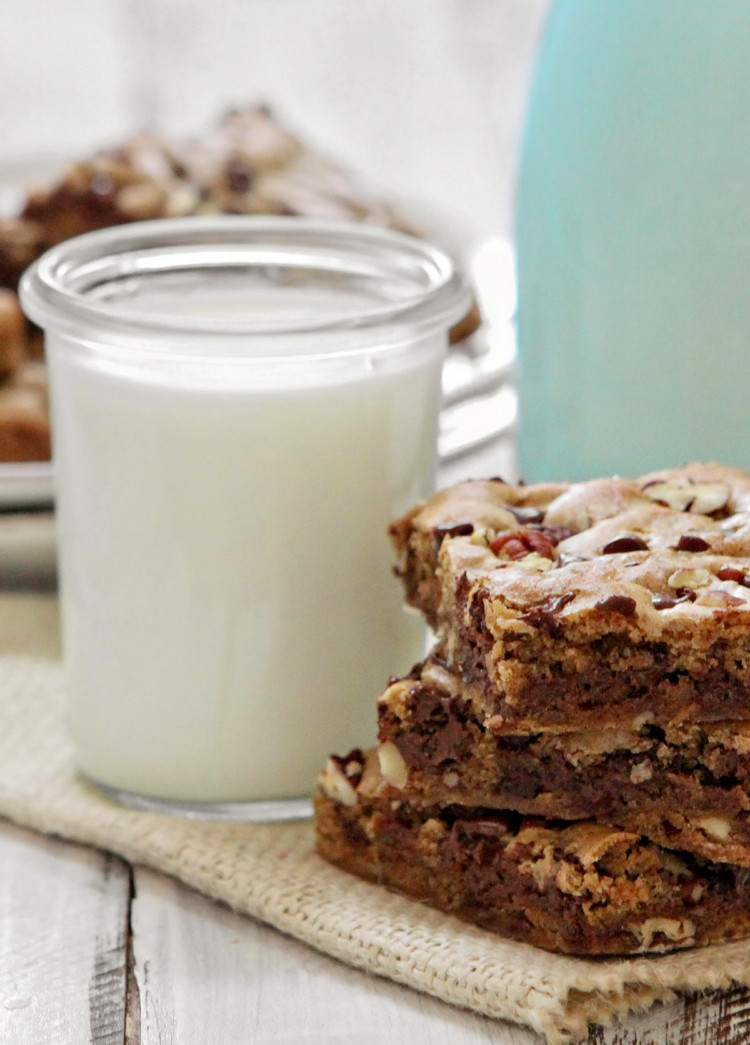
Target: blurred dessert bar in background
point(248, 164)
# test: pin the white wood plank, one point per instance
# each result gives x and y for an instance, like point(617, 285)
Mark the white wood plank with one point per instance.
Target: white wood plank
point(207, 975)
point(63, 935)
point(717, 1018)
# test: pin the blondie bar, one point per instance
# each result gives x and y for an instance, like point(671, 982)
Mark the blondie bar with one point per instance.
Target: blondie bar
point(685, 785)
point(579, 888)
point(615, 602)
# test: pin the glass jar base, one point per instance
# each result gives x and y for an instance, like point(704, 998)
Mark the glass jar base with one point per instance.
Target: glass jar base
point(241, 812)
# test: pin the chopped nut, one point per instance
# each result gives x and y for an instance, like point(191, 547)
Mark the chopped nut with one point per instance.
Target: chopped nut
point(569, 879)
point(674, 865)
point(517, 544)
point(335, 784)
point(451, 778)
point(535, 561)
point(586, 743)
point(715, 826)
point(723, 599)
point(677, 929)
point(439, 676)
point(709, 498)
point(142, 200)
point(640, 773)
point(679, 496)
point(732, 573)
point(689, 579)
point(480, 537)
point(392, 765)
point(181, 201)
point(702, 498)
point(542, 866)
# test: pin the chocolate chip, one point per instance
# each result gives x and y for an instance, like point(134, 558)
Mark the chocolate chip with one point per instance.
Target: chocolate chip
point(691, 543)
point(459, 530)
point(622, 604)
point(666, 602)
point(483, 828)
point(351, 765)
point(555, 605)
point(526, 515)
point(543, 615)
point(566, 559)
point(626, 542)
point(519, 742)
point(239, 176)
point(429, 706)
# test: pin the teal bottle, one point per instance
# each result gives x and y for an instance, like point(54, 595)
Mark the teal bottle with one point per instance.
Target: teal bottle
point(633, 240)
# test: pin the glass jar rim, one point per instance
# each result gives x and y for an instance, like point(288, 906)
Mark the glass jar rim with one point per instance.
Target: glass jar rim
point(56, 291)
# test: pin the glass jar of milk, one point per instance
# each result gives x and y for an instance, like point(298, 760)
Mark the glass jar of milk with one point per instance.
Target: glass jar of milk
point(633, 232)
point(240, 406)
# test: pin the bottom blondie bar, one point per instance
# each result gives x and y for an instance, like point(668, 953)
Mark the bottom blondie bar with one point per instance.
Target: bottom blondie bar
point(577, 888)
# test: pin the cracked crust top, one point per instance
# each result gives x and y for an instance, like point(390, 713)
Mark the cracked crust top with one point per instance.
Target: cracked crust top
point(670, 546)
point(559, 604)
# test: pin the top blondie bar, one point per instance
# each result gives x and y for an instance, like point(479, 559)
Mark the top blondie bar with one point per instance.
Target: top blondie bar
point(608, 602)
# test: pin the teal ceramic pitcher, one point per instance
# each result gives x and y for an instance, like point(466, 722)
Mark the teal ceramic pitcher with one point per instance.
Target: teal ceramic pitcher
point(633, 239)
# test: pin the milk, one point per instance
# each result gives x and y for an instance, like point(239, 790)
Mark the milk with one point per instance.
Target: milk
point(229, 608)
point(240, 406)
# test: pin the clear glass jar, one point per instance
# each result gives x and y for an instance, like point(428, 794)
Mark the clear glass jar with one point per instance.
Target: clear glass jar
point(240, 406)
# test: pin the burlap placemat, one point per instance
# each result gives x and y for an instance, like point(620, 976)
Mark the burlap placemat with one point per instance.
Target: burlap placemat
point(272, 873)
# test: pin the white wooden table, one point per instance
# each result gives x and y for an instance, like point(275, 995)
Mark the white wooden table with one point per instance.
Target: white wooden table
point(95, 951)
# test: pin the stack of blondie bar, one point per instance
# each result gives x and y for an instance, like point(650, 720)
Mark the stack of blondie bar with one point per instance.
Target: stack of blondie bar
point(570, 766)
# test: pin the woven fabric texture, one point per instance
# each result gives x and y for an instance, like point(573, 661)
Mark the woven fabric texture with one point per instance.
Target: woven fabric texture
point(271, 872)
